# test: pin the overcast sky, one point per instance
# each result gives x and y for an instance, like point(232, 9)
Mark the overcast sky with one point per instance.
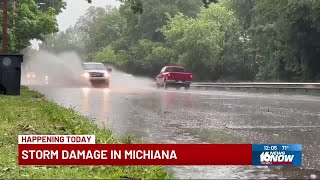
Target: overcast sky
point(76, 8)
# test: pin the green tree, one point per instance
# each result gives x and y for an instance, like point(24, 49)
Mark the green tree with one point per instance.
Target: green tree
point(102, 27)
point(69, 40)
point(199, 43)
point(29, 22)
point(286, 37)
point(281, 37)
point(58, 5)
point(206, 3)
point(107, 55)
point(147, 24)
point(226, 40)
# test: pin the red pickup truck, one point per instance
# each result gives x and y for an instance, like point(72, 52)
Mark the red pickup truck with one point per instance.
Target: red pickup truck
point(174, 76)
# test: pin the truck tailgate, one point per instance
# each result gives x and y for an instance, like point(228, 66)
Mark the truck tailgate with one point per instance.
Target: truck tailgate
point(179, 76)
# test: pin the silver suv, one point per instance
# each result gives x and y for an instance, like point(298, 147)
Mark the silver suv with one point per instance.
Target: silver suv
point(96, 73)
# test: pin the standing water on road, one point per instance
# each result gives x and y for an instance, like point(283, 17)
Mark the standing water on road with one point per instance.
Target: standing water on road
point(170, 116)
point(132, 106)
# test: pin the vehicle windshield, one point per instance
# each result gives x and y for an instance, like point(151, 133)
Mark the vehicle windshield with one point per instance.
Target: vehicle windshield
point(174, 69)
point(94, 66)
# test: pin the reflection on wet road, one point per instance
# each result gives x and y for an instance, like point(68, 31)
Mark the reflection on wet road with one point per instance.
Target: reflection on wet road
point(171, 116)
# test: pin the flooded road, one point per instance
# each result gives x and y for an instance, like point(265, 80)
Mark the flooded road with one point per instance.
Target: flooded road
point(179, 116)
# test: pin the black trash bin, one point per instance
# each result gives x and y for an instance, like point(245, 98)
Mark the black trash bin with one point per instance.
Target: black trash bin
point(10, 73)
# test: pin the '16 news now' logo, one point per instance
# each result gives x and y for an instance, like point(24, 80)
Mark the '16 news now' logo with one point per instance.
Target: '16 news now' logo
point(276, 157)
point(277, 154)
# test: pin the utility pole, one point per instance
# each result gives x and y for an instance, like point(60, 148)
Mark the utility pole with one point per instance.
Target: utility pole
point(5, 27)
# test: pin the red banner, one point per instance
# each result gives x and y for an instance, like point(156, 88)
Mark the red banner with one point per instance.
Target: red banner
point(135, 154)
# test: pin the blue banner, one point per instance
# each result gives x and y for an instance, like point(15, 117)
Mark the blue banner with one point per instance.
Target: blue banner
point(277, 154)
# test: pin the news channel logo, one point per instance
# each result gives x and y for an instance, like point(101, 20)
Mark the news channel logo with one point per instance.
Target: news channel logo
point(277, 154)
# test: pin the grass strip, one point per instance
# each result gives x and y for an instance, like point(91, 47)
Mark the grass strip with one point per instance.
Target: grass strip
point(31, 113)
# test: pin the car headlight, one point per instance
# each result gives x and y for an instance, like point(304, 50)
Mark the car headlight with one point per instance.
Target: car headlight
point(86, 75)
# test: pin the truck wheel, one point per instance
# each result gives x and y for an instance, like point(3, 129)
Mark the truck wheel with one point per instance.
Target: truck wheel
point(166, 85)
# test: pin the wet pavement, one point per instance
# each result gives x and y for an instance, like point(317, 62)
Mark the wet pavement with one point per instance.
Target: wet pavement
point(177, 116)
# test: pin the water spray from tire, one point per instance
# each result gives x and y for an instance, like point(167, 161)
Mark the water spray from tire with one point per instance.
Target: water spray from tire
point(65, 70)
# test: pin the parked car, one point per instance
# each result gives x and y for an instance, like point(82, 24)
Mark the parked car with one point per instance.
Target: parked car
point(174, 76)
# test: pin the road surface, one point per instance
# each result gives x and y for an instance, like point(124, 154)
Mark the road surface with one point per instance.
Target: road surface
point(179, 116)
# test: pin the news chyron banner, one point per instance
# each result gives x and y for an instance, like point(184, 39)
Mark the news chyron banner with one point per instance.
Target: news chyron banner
point(277, 154)
point(82, 150)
